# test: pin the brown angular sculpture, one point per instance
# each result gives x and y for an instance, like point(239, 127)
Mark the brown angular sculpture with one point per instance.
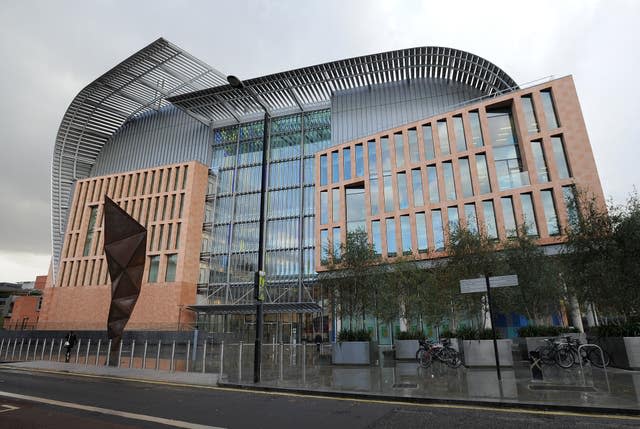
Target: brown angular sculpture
point(125, 244)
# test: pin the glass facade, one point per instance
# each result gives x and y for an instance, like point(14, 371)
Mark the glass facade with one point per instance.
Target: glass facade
point(346, 163)
point(438, 230)
point(359, 160)
point(490, 219)
point(386, 155)
point(416, 178)
point(454, 219)
point(427, 135)
point(421, 232)
point(403, 195)
point(550, 214)
point(391, 236)
point(443, 134)
point(374, 195)
point(399, 145)
point(529, 114)
point(356, 208)
point(571, 204)
point(506, 152)
point(541, 163)
point(465, 177)
point(529, 214)
point(461, 139)
point(476, 130)
point(483, 173)
point(377, 238)
point(549, 109)
point(373, 166)
point(335, 204)
point(471, 217)
point(432, 178)
point(388, 193)
point(449, 181)
point(509, 217)
point(414, 152)
point(560, 157)
point(405, 233)
point(335, 169)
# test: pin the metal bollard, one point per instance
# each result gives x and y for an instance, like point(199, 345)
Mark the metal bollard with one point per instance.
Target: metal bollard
point(281, 360)
point(20, 351)
point(6, 353)
point(133, 347)
point(26, 355)
point(59, 350)
point(221, 358)
point(158, 355)
point(173, 354)
point(86, 357)
point(53, 342)
point(144, 355)
point(240, 361)
point(119, 354)
point(304, 362)
point(188, 355)
point(13, 352)
point(44, 347)
point(98, 352)
point(35, 349)
point(108, 352)
point(1, 346)
point(204, 355)
point(78, 350)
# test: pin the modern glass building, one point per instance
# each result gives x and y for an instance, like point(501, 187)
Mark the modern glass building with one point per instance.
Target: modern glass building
point(402, 144)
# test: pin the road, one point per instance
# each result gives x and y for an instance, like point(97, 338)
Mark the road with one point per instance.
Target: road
point(44, 400)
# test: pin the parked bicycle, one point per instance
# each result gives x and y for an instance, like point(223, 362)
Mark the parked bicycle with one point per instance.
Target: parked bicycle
point(443, 352)
point(553, 353)
point(587, 354)
point(565, 353)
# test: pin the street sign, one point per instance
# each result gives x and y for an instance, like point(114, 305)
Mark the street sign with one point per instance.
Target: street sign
point(480, 284)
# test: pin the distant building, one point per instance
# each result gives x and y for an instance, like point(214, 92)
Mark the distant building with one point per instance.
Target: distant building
point(402, 144)
point(20, 303)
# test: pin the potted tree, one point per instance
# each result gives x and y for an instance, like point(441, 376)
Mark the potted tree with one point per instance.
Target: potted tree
point(353, 348)
point(477, 347)
point(622, 342)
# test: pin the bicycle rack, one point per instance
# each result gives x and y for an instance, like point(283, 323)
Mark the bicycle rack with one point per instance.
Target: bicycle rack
point(584, 382)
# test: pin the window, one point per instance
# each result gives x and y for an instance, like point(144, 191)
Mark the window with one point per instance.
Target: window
point(449, 181)
point(454, 220)
point(438, 231)
point(550, 213)
point(346, 158)
point(154, 263)
point(471, 217)
point(373, 167)
point(571, 204)
point(421, 232)
point(561, 159)
point(405, 229)
point(529, 114)
point(529, 214)
point(483, 174)
point(549, 109)
point(428, 142)
point(323, 170)
point(414, 152)
point(373, 193)
point(90, 229)
point(391, 236)
point(324, 246)
point(388, 194)
point(432, 176)
point(335, 243)
point(399, 144)
point(359, 161)
point(416, 177)
point(506, 152)
point(178, 235)
point(335, 172)
point(490, 219)
point(465, 176)
point(403, 196)
point(324, 207)
point(355, 207)
point(184, 177)
point(386, 156)
point(509, 217)
point(172, 262)
point(539, 160)
point(443, 134)
point(335, 199)
point(458, 126)
point(476, 131)
point(377, 240)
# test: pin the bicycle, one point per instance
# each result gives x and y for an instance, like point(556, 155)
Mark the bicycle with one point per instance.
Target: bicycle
point(554, 352)
point(589, 354)
point(443, 352)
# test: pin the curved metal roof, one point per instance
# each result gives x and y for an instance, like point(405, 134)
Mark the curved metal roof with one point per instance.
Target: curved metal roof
point(138, 84)
point(311, 87)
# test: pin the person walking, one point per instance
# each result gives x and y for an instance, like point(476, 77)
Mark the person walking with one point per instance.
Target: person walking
point(69, 342)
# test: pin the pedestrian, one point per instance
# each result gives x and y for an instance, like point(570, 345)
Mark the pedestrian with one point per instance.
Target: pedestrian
point(318, 341)
point(69, 341)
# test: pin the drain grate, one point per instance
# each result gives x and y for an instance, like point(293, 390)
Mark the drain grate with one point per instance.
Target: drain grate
point(405, 386)
point(562, 387)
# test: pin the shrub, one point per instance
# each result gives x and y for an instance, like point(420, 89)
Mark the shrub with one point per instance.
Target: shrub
point(409, 335)
point(545, 331)
point(447, 334)
point(468, 333)
point(627, 329)
point(354, 335)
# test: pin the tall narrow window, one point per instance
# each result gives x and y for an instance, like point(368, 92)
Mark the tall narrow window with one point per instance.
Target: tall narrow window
point(405, 229)
point(346, 158)
point(377, 239)
point(471, 217)
point(335, 243)
point(560, 157)
point(359, 160)
point(529, 114)
point(323, 170)
point(432, 177)
point(391, 237)
point(185, 177)
point(416, 177)
point(324, 207)
point(373, 167)
point(388, 194)
point(454, 220)
point(386, 156)
point(443, 134)
point(461, 139)
point(178, 235)
point(355, 207)
point(449, 182)
point(571, 204)
point(324, 246)
point(421, 232)
point(506, 152)
point(476, 130)
point(529, 214)
point(509, 217)
point(483, 174)
point(403, 195)
point(427, 136)
point(154, 263)
point(438, 231)
point(335, 172)
point(335, 199)
point(540, 161)
point(373, 193)
point(414, 152)
point(170, 274)
point(465, 176)
point(90, 229)
point(399, 144)
point(549, 109)
point(490, 219)
point(550, 214)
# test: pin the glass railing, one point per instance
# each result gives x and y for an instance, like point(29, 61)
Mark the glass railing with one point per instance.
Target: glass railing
point(514, 180)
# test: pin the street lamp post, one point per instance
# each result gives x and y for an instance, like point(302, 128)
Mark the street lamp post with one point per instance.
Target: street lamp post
point(259, 274)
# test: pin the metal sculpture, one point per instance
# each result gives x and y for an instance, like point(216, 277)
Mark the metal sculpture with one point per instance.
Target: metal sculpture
point(125, 244)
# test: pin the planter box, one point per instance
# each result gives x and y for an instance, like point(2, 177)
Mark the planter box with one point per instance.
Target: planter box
point(480, 353)
point(406, 349)
point(351, 353)
point(528, 344)
point(623, 351)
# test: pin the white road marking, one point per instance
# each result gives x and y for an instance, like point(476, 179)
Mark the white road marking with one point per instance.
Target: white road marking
point(9, 408)
point(134, 416)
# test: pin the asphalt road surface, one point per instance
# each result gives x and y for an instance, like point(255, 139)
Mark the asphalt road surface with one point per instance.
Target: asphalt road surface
point(43, 400)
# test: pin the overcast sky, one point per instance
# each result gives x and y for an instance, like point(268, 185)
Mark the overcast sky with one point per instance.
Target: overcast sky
point(50, 50)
